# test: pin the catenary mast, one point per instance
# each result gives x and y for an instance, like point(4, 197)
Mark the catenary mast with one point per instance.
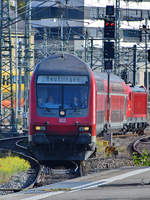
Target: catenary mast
point(7, 114)
point(27, 62)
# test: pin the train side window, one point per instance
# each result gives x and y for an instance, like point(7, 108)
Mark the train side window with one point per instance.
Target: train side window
point(117, 87)
point(100, 86)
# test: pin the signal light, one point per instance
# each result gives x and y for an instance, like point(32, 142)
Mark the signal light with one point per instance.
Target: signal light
point(109, 50)
point(108, 64)
point(109, 28)
point(109, 10)
point(112, 24)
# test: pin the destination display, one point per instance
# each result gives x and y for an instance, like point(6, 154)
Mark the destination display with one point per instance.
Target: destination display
point(48, 79)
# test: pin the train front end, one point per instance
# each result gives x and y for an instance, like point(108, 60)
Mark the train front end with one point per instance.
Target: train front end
point(62, 124)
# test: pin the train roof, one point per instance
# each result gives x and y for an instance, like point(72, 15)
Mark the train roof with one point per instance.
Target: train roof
point(138, 89)
point(62, 64)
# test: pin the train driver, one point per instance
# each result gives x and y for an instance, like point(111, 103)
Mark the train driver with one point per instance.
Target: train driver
point(75, 101)
point(78, 104)
point(50, 102)
point(50, 99)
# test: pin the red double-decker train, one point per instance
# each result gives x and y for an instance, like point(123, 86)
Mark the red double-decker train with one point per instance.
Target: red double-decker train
point(69, 108)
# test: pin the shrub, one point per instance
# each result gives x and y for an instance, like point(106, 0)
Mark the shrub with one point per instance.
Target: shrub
point(143, 160)
point(10, 166)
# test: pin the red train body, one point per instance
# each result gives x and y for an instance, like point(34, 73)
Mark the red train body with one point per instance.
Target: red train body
point(61, 130)
point(136, 109)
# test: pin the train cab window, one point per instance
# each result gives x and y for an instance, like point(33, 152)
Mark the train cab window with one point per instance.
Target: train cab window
point(49, 96)
point(75, 97)
point(70, 94)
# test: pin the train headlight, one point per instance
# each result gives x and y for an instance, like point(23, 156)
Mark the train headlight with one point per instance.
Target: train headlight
point(84, 129)
point(62, 113)
point(40, 128)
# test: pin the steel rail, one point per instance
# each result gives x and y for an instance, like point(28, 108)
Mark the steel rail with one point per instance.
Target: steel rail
point(10, 144)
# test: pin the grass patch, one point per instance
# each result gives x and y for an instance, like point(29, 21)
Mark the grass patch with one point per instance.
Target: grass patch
point(100, 146)
point(10, 166)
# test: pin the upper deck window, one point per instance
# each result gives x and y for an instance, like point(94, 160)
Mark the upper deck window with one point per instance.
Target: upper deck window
point(48, 79)
point(117, 87)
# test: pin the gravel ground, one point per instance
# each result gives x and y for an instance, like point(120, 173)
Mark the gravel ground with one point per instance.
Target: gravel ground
point(103, 161)
point(16, 182)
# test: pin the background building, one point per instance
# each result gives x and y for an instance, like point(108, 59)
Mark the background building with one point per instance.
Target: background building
point(77, 27)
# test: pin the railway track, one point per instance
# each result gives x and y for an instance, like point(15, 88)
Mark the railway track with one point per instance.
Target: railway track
point(142, 144)
point(12, 146)
point(38, 174)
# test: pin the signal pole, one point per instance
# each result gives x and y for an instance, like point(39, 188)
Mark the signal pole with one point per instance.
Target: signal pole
point(146, 29)
point(134, 65)
point(91, 64)
point(146, 58)
point(117, 38)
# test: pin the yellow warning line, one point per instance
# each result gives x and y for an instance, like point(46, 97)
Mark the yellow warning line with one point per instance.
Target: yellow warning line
point(56, 189)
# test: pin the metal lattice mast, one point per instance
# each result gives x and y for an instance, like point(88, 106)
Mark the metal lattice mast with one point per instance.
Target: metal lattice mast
point(7, 115)
point(117, 39)
point(27, 61)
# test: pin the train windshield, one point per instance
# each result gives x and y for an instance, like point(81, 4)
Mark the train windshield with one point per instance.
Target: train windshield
point(73, 97)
